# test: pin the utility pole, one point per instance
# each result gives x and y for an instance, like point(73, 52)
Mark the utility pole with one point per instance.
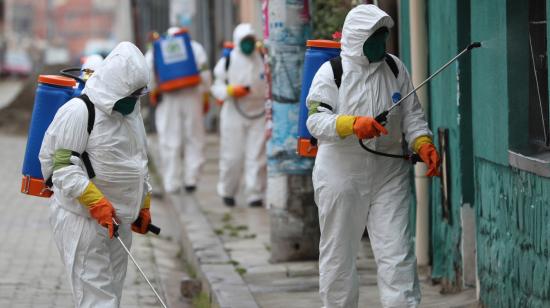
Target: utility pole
point(135, 24)
point(293, 213)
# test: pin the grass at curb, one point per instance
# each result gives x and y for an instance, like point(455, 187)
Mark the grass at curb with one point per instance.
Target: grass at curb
point(201, 301)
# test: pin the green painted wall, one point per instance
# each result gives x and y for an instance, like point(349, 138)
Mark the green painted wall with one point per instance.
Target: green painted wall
point(450, 107)
point(513, 212)
point(404, 33)
point(489, 80)
point(513, 241)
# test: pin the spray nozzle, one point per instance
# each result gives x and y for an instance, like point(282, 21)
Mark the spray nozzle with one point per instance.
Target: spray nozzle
point(474, 45)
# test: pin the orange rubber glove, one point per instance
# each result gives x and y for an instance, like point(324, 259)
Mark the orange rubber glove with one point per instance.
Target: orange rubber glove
point(155, 97)
point(237, 91)
point(429, 156)
point(205, 102)
point(141, 225)
point(99, 207)
point(367, 128)
point(104, 212)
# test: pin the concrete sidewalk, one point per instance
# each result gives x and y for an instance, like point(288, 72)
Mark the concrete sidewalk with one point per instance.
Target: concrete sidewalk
point(230, 249)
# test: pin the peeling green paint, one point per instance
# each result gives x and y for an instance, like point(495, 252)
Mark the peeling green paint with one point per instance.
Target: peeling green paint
point(405, 33)
point(450, 108)
point(513, 240)
point(489, 80)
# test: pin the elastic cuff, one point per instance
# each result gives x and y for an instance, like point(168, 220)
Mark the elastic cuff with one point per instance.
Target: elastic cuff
point(344, 125)
point(313, 108)
point(90, 196)
point(420, 141)
point(62, 158)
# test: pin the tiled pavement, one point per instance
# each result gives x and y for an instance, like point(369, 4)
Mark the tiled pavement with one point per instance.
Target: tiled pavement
point(31, 273)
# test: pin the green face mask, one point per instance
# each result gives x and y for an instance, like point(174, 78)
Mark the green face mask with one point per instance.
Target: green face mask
point(125, 105)
point(375, 46)
point(247, 45)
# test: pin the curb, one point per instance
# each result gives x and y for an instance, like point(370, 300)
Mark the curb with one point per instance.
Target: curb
point(205, 253)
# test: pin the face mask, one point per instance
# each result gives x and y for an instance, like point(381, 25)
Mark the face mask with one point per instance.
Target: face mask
point(375, 46)
point(247, 46)
point(125, 105)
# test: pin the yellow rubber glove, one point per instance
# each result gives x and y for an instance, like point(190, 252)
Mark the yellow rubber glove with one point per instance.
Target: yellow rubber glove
point(420, 141)
point(344, 125)
point(99, 207)
point(147, 201)
point(237, 91)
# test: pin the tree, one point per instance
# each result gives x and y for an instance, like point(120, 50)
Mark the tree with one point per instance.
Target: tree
point(328, 16)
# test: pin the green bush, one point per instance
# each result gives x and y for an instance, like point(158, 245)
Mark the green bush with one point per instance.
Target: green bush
point(328, 16)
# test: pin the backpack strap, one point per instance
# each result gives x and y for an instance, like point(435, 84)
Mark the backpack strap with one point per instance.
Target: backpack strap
point(91, 111)
point(336, 64)
point(91, 120)
point(391, 63)
point(227, 63)
point(84, 156)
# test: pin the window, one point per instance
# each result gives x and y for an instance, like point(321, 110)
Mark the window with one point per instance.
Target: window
point(539, 132)
point(535, 157)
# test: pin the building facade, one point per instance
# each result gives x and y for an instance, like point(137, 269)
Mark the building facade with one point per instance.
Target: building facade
point(61, 23)
point(491, 111)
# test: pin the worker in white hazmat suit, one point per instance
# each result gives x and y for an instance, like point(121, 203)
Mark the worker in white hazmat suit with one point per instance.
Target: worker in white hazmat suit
point(179, 120)
point(241, 85)
point(354, 188)
point(83, 205)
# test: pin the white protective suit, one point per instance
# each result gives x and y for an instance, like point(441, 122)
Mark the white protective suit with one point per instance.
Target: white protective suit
point(354, 187)
point(179, 122)
point(96, 264)
point(92, 62)
point(242, 139)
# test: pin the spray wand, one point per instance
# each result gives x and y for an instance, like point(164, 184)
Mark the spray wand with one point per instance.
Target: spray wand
point(382, 118)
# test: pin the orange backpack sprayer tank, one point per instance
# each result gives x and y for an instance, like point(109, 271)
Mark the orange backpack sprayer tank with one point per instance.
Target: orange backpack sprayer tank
point(52, 92)
point(317, 53)
point(174, 62)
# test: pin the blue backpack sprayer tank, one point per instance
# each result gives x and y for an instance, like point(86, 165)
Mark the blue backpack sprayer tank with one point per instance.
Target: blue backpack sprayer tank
point(317, 53)
point(52, 92)
point(174, 62)
point(227, 48)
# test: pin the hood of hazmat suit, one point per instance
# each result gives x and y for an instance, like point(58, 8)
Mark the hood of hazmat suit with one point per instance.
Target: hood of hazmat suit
point(354, 187)
point(242, 138)
point(92, 62)
point(96, 265)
